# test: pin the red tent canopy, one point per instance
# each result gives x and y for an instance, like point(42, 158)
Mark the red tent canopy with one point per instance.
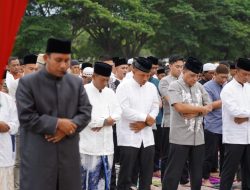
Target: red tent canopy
point(11, 13)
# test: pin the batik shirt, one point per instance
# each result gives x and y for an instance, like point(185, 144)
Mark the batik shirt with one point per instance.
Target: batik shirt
point(185, 131)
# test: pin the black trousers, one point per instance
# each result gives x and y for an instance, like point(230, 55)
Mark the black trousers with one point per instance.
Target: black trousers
point(213, 143)
point(128, 159)
point(164, 156)
point(234, 155)
point(157, 136)
point(115, 160)
point(178, 155)
point(164, 149)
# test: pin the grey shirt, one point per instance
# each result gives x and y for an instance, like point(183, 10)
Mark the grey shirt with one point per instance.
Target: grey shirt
point(185, 131)
point(163, 88)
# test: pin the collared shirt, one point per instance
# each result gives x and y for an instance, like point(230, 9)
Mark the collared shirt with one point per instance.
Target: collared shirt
point(213, 120)
point(185, 131)
point(129, 75)
point(8, 114)
point(104, 104)
point(163, 88)
point(136, 102)
point(113, 84)
point(235, 103)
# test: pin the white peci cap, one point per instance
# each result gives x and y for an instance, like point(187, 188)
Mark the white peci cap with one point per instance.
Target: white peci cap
point(88, 71)
point(209, 67)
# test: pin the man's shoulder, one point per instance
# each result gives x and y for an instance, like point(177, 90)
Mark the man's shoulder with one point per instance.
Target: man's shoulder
point(154, 80)
point(175, 84)
point(6, 97)
point(72, 77)
point(109, 91)
point(210, 85)
point(166, 79)
point(150, 85)
point(230, 85)
point(30, 77)
point(126, 82)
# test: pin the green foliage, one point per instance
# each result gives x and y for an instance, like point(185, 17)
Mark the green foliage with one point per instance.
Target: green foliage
point(210, 30)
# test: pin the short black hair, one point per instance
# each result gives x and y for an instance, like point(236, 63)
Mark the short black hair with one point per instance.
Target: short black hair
point(222, 69)
point(175, 57)
point(12, 59)
point(227, 63)
point(105, 58)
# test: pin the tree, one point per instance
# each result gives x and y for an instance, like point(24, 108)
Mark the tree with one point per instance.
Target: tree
point(39, 23)
point(210, 30)
point(119, 27)
point(116, 27)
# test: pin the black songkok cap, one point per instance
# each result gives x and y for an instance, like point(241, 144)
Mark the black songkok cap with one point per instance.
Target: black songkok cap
point(58, 46)
point(160, 70)
point(153, 60)
point(194, 65)
point(103, 69)
point(243, 63)
point(84, 65)
point(142, 64)
point(29, 59)
point(120, 61)
point(74, 62)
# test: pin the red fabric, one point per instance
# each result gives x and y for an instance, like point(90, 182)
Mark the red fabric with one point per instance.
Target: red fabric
point(11, 12)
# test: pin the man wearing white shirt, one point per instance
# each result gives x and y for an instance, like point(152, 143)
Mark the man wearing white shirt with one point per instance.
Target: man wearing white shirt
point(8, 126)
point(13, 75)
point(129, 74)
point(29, 66)
point(121, 68)
point(140, 105)
point(96, 140)
point(236, 126)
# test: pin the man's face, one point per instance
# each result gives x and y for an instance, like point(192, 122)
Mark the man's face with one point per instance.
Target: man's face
point(242, 75)
point(86, 79)
point(14, 66)
point(176, 68)
point(129, 67)
point(140, 77)
point(110, 62)
point(160, 76)
point(75, 69)
point(153, 70)
point(190, 77)
point(221, 78)
point(57, 64)
point(232, 72)
point(121, 71)
point(209, 75)
point(29, 68)
point(99, 81)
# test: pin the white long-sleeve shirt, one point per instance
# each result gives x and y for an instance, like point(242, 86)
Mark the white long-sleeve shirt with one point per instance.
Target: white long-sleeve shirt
point(235, 103)
point(136, 102)
point(8, 114)
point(11, 85)
point(104, 104)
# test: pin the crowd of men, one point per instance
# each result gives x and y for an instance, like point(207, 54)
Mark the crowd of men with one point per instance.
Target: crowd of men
point(66, 125)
